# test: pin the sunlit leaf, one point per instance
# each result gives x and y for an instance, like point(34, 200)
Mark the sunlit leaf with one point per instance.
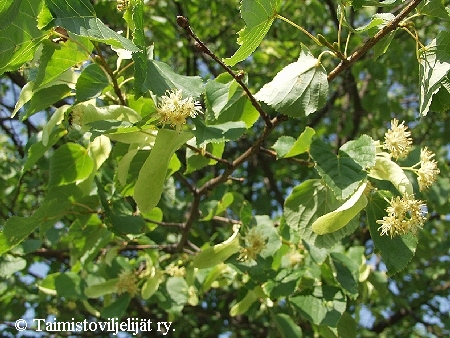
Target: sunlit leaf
point(434, 67)
point(338, 218)
point(258, 17)
point(79, 17)
point(150, 182)
point(218, 253)
point(385, 169)
point(299, 89)
point(18, 42)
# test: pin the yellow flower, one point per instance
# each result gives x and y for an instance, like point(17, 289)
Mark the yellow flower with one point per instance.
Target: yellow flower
point(397, 140)
point(428, 169)
point(122, 5)
point(173, 109)
point(256, 242)
point(127, 283)
point(405, 214)
point(174, 270)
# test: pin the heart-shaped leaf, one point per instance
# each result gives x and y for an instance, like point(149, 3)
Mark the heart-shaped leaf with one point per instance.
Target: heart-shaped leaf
point(298, 89)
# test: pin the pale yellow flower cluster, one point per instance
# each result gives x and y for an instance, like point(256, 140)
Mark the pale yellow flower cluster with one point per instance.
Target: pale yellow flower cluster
point(122, 5)
point(174, 110)
point(428, 171)
point(405, 215)
point(127, 283)
point(175, 270)
point(255, 242)
point(397, 140)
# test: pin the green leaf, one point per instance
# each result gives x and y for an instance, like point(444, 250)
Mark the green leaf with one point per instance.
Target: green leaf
point(228, 131)
point(56, 58)
point(44, 98)
point(377, 22)
point(196, 161)
point(70, 163)
point(150, 286)
point(346, 273)
point(91, 82)
point(117, 308)
point(396, 252)
point(10, 264)
point(434, 67)
point(79, 17)
point(434, 9)
point(8, 12)
point(265, 226)
point(37, 150)
point(258, 17)
point(382, 46)
point(55, 120)
point(283, 145)
point(307, 202)
point(159, 78)
point(385, 169)
point(323, 307)
point(340, 217)
point(299, 89)
point(177, 289)
point(286, 326)
point(227, 101)
point(347, 326)
point(47, 285)
point(302, 144)
point(150, 182)
point(345, 172)
point(18, 42)
point(251, 297)
point(101, 289)
point(218, 253)
point(68, 285)
point(15, 230)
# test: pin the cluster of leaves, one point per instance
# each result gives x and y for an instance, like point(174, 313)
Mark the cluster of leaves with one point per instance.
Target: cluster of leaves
point(205, 225)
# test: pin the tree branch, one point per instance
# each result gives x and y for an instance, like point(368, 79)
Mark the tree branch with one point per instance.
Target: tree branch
point(391, 26)
point(184, 23)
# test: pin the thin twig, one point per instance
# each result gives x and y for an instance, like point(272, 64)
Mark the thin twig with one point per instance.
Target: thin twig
point(209, 155)
point(372, 41)
point(111, 75)
point(184, 23)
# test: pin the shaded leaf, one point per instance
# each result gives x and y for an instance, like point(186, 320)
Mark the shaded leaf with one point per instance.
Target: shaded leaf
point(158, 77)
point(227, 131)
point(91, 82)
point(70, 163)
point(286, 326)
point(396, 252)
